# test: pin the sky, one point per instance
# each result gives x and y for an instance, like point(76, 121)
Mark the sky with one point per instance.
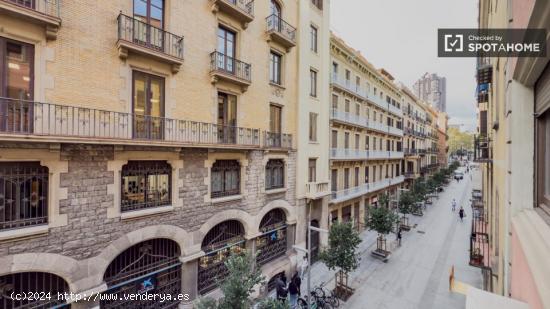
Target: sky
point(401, 36)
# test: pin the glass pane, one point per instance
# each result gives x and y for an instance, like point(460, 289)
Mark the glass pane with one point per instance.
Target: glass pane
point(232, 110)
point(140, 10)
point(18, 79)
point(157, 102)
point(157, 13)
point(133, 189)
point(217, 182)
point(140, 95)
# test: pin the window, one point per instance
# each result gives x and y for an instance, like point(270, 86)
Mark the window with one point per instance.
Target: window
point(227, 49)
point(334, 102)
point(275, 68)
point(313, 83)
point(374, 143)
point(334, 141)
point(374, 173)
point(273, 242)
point(367, 142)
point(348, 77)
point(148, 106)
point(543, 161)
point(227, 118)
point(149, 12)
point(225, 178)
point(275, 174)
point(366, 174)
point(145, 184)
point(313, 34)
point(357, 109)
point(357, 143)
point(346, 140)
point(318, 3)
point(23, 194)
point(346, 107)
point(275, 112)
point(334, 69)
point(275, 8)
point(346, 178)
point(312, 170)
point(16, 82)
point(356, 176)
point(334, 180)
point(34, 283)
point(312, 127)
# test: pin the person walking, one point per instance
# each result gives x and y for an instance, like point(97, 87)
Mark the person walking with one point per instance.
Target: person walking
point(454, 205)
point(461, 214)
point(280, 288)
point(399, 237)
point(303, 267)
point(293, 291)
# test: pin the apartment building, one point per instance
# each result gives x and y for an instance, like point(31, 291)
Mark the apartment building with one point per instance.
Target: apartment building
point(145, 140)
point(366, 147)
point(432, 141)
point(510, 240)
point(415, 138)
point(432, 89)
point(442, 138)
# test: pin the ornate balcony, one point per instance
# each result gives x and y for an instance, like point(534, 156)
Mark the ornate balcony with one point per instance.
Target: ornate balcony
point(223, 67)
point(479, 241)
point(316, 190)
point(241, 10)
point(345, 85)
point(277, 140)
point(42, 122)
point(145, 39)
point(281, 32)
point(41, 12)
point(482, 149)
point(359, 154)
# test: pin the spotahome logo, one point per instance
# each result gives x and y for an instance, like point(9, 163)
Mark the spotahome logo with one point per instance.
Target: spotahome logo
point(491, 42)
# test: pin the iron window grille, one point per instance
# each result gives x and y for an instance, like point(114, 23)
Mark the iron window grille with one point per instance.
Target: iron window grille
point(275, 174)
point(32, 282)
point(23, 194)
point(273, 241)
point(151, 266)
point(226, 178)
point(145, 184)
point(221, 241)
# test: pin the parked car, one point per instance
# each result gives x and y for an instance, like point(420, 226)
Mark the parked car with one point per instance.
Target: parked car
point(459, 175)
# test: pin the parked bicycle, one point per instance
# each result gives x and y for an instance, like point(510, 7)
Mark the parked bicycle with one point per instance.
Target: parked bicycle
point(320, 298)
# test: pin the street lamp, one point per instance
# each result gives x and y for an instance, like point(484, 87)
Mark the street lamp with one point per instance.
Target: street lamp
point(308, 251)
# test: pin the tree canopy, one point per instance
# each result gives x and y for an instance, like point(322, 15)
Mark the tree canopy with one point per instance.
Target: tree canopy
point(343, 241)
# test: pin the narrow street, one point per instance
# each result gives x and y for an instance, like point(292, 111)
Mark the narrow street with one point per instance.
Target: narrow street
point(416, 275)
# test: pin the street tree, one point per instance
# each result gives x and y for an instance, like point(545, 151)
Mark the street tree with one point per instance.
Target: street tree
point(341, 254)
point(242, 279)
point(406, 203)
point(381, 220)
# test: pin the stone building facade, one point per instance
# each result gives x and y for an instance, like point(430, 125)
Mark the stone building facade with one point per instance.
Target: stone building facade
point(146, 142)
point(366, 135)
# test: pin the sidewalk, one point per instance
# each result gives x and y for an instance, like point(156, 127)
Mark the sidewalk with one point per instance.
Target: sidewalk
point(416, 275)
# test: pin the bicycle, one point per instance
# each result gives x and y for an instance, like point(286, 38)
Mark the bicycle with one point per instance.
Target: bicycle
point(329, 296)
point(317, 302)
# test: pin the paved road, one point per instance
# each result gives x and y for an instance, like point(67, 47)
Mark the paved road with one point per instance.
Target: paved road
point(416, 275)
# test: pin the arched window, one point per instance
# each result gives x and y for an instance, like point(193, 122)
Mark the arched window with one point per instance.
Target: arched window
point(145, 184)
point(32, 282)
point(275, 8)
point(273, 242)
point(220, 242)
point(152, 266)
point(23, 194)
point(226, 178)
point(275, 174)
point(271, 284)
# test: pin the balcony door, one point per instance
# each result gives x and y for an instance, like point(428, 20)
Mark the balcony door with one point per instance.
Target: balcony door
point(226, 50)
point(16, 86)
point(275, 112)
point(149, 23)
point(227, 118)
point(276, 13)
point(148, 106)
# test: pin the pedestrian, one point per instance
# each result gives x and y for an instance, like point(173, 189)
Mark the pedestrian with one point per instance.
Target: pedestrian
point(280, 288)
point(303, 266)
point(454, 205)
point(399, 237)
point(461, 214)
point(298, 282)
point(293, 291)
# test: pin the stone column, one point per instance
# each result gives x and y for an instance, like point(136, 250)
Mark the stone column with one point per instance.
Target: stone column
point(190, 274)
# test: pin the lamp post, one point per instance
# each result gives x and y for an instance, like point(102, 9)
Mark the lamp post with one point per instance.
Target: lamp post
point(308, 251)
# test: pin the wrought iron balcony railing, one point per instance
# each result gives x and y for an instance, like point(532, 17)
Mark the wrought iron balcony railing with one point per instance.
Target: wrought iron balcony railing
point(349, 193)
point(39, 120)
point(48, 7)
point(479, 241)
point(230, 66)
point(482, 149)
point(277, 140)
point(243, 6)
point(150, 37)
point(275, 24)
